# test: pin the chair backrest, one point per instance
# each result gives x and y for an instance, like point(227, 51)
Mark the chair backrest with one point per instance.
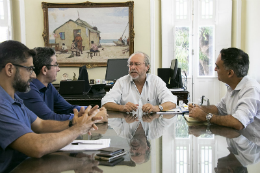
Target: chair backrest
point(83, 75)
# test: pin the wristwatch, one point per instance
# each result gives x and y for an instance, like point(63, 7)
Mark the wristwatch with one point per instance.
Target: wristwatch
point(160, 107)
point(71, 123)
point(208, 117)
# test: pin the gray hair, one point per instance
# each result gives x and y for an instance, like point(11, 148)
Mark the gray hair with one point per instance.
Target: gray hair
point(146, 59)
point(236, 60)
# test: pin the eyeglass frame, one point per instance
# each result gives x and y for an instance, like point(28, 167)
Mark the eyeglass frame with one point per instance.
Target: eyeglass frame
point(137, 64)
point(30, 69)
point(55, 65)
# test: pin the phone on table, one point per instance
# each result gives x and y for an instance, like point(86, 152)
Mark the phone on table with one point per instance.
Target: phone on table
point(110, 154)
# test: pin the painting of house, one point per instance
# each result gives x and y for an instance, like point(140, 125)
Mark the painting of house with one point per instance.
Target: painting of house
point(67, 32)
point(89, 35)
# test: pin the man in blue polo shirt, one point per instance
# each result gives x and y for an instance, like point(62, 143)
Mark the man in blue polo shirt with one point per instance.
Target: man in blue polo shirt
point(43, 99)
point(21, 131)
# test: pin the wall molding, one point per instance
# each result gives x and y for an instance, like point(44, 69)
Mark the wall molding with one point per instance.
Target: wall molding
point(238, 26)
point(22, 21)
point(152, 29)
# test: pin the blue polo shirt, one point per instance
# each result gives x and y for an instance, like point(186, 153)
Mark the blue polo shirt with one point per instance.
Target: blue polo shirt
point(15, 121)
point(43, 101)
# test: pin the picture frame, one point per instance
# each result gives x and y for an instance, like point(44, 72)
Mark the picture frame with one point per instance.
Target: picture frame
point(89, 33)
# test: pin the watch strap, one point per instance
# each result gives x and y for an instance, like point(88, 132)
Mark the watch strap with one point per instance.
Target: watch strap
point(160, 107)
point(71, 123)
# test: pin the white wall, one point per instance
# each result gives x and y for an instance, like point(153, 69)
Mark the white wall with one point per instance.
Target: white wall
point(34, 29)
point(252, 36)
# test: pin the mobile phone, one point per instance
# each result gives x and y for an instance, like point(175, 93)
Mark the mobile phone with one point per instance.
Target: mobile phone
point(110, 158)
point(113, 163)
point(110, 151)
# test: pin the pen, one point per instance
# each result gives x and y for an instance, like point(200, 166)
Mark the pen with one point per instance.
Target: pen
point(82, 143)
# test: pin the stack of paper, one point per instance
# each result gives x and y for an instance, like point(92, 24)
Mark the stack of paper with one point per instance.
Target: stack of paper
point(177, 110)
point(87, 145)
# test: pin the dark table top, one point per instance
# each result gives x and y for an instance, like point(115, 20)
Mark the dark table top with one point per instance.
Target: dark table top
point(160, 143)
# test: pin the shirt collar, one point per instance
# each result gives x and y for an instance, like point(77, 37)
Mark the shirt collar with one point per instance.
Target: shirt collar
point(147, 79)
point(39, 84)
point(6, 97)
point(240, 85)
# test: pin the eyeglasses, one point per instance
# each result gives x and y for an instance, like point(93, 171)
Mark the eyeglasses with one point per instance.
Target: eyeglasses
point(137, 64)
point(55, 65)
point(29, 69)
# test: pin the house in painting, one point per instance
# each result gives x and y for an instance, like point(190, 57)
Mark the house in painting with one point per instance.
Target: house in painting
point(68, 31)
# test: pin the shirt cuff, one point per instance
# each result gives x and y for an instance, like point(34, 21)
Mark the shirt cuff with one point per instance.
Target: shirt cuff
point(78, 107)
point(71, 116)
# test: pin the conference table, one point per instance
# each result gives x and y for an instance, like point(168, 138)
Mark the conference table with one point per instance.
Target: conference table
point(157, 143)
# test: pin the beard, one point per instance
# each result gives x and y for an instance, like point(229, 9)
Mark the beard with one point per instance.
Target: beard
point(19, 84)
point(137, 75)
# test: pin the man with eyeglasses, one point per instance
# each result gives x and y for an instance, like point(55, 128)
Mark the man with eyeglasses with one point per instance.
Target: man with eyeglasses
point(44, 99)
point(139, 89)
point(21, 131)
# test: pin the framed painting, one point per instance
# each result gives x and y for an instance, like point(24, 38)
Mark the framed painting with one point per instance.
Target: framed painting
point(89, 33)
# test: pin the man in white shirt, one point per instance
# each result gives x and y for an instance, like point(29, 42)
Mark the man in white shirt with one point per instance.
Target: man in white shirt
point(241, 104)
point(139, 89)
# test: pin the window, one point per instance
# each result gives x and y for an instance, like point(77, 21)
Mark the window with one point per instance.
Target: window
point(5, 21)
point(2, 14)
point(207, 9)
point(206, 51)
point(181, 9)
point(182, 48)
point(204, 22)
point(62, 35)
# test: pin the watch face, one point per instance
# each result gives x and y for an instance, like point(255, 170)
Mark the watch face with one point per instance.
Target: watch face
point(208, 116)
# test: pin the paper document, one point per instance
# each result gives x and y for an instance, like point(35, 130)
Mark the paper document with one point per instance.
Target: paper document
point(87, 145)
point(177, 110)
point(176, 89)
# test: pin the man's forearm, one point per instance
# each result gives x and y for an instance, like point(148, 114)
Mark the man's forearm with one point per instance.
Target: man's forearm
point(110, 106)
point(227, 120)
point(168, 106)
point(37, 145)
point(210, 109)
point(51, 126)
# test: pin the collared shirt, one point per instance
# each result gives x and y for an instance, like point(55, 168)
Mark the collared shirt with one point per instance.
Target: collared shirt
point(154, 92)
point(15, 121)
point(43, 101)
point(243, 103)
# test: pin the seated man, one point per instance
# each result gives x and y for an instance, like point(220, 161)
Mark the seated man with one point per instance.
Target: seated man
point(43, 99)
point(21, 131)
point(94, 47)
point(242, 100)
point(139, 89)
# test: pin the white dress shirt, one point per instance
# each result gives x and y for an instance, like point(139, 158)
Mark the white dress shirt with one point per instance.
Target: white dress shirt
point(243, 103)
point(154, 92)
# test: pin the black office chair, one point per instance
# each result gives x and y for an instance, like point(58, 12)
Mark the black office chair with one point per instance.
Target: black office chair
point(83, 75)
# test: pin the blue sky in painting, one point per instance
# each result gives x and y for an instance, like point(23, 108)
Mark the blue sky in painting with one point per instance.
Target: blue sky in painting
point(111, 21)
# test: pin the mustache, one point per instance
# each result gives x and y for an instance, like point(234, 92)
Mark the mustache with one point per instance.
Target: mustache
point(133, 71)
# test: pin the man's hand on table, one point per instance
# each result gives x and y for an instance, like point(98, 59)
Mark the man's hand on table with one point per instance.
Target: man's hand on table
point(87, 120)
point(148, 108)
point(197, 113)
point(103, 114)
point(129, 107)
point(191, 106)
